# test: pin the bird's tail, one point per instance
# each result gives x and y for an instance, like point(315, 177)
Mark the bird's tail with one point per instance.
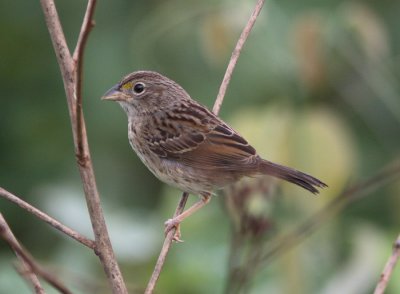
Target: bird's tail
point(291, 175)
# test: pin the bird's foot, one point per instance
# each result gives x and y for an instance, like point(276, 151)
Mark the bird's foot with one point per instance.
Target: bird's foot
point(170, 225)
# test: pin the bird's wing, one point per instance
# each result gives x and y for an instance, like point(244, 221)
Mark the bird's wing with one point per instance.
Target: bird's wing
point(196, 137)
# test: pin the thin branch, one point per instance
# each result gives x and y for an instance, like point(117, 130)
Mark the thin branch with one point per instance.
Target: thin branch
point(28, 259)
point(72, 78)
point(218, 102)
point(87, 25)
point(7, 235)
point(29, 277)
point(60, 47)
point(389, 267)
point(46, 218)
point(165, 248)
point(235, 56)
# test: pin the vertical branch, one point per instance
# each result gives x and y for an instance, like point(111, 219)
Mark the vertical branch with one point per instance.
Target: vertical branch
point(87, 25)
point(71, 69)
point(61, 48)
point(235, 55)
point(389, 267)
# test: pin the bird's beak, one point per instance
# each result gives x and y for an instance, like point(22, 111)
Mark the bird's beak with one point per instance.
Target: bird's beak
point(114, 94)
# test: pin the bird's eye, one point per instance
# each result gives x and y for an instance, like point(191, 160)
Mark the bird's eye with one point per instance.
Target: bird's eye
point(138, 88)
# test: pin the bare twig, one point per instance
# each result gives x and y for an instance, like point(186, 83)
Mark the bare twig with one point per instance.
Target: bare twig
point(26, 272)
point(218, 102)
point(165, 248)
point(389, 267)
point(87, 25)
point(31, 267)
point(235, 56)
point(60, 47)
point(71, 69)
point(29, 277)
point(46, 218)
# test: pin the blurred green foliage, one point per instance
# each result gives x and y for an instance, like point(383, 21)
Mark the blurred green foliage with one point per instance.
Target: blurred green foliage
point(316, 87)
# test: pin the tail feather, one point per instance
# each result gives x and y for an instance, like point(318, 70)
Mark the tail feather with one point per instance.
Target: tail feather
point(291, 175)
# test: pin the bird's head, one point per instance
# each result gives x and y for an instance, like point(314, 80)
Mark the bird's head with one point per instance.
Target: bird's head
point(145, 92)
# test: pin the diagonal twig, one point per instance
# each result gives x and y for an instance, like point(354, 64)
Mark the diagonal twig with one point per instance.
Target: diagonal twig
point(389, 267)
point(22, 269)
point(7, 235)
point(46, 218)
point(235, 56)
point(31, 269)
point(165, 248)
point(218, 102)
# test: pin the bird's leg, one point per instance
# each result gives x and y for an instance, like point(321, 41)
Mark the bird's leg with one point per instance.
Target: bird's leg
point(175, 222)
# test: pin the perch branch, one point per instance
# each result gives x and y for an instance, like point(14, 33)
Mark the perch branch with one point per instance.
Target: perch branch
point(389, 267)
point(46, 218)
point(165, 248)
point(228, 74)
point(71, 69)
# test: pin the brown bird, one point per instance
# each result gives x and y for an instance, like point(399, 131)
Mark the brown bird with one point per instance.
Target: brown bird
point(187, 146)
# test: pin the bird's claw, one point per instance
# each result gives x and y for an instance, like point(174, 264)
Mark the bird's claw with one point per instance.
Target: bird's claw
point(170, 225)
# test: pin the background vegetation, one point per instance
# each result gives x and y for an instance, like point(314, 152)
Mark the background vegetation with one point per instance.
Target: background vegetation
point(317, 88)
